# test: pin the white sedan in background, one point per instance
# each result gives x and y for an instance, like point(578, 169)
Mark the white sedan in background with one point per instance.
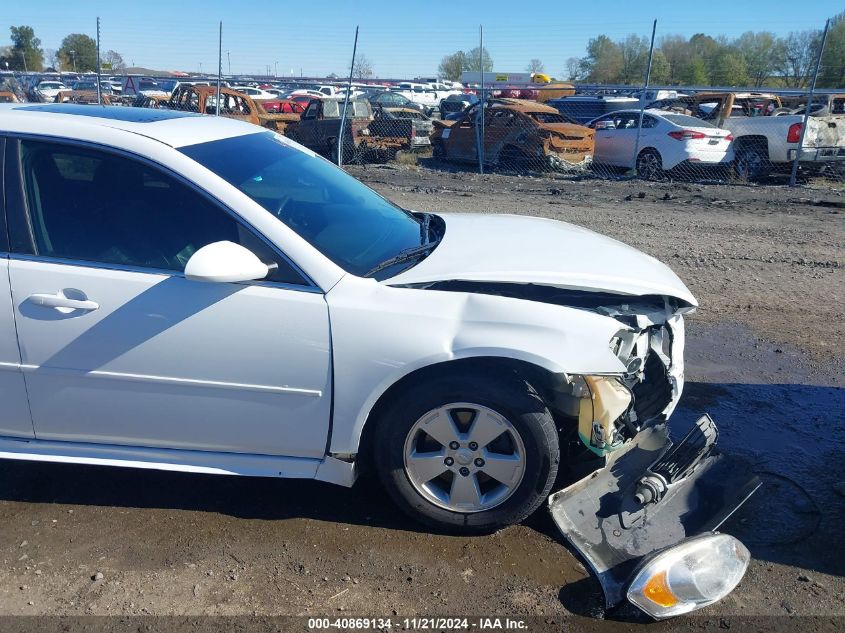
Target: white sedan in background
point(49, 89)
point(255, 93)
point(165, 306)
point(666, 141)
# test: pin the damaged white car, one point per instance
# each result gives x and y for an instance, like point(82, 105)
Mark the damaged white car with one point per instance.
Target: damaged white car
point(193, 293)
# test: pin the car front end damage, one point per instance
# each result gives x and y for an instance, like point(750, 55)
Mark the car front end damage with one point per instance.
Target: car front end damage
point(646, 518)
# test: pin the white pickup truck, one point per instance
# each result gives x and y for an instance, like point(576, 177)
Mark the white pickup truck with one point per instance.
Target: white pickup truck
point(766, 135)
point(424, 95)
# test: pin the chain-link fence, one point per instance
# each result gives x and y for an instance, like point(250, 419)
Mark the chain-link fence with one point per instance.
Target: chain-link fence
point(510, 123)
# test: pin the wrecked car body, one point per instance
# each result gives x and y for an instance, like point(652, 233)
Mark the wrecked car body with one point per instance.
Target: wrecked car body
point(517, 135)
point(368, 135)
point(233, 105)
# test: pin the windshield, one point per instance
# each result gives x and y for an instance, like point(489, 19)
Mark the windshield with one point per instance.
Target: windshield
point(548, 117)
point(345, 220)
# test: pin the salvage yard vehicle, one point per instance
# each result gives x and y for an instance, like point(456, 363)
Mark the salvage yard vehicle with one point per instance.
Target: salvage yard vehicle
point(365, 137)
point(404, 123)
point(388, 99)
point(666, 141)
point(233, 105)
point(196, 294)
point(764, 143)
point(49, 89)
point(517, 134)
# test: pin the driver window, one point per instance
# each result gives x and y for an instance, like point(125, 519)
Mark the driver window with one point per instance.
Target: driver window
point(311, 112)
point(99, 207)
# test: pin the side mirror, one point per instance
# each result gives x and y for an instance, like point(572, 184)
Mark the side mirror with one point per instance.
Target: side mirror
point(225, 262)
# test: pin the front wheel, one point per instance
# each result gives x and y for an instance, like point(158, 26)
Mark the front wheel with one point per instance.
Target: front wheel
point(468, 454)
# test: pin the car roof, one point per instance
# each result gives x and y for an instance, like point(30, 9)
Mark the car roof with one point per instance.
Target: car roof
point(171, 127)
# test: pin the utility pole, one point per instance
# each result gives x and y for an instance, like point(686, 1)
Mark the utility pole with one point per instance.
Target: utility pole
point(99, 87)
point(793, 177)
point(229, 59)
point(73, 57)
point(219, 69)
point(23, 57)
point(341, 138)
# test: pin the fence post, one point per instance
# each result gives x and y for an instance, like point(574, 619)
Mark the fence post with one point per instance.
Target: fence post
point(219, 68)
point(642, 95)
point(346, 102)
point(793, 177)
point(99, 88)
point(479, 128)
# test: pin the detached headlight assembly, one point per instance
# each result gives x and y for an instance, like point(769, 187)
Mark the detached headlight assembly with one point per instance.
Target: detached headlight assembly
point(691, 575)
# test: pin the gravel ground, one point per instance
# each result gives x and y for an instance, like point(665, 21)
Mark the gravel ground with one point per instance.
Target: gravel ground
point(764, 357)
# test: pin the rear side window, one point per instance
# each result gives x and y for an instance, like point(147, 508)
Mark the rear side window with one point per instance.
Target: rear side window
point(683, 120)
point(99, 207)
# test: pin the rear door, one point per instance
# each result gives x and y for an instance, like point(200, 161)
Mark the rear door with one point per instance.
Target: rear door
point(15, 420)
point(460, 139)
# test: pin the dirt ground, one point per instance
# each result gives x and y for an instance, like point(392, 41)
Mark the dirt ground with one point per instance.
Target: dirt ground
point(765, 358)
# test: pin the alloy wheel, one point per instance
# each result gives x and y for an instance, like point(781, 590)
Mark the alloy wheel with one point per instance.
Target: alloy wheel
point(464, 457)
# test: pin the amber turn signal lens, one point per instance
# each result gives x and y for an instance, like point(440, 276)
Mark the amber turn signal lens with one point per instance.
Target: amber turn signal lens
point(657, 590)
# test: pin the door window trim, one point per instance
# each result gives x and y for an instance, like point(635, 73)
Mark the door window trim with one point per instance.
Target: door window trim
point(23, 246)
point(4, 232)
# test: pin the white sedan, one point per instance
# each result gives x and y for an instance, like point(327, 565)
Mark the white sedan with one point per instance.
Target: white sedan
point(164, 306)
point(49, 89)
point(666, 141)
point(255, 93)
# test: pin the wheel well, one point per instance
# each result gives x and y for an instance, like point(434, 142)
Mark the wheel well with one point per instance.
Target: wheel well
point(756, 142)
point(539, 378)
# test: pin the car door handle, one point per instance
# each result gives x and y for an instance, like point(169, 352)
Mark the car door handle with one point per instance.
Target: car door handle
point(59, 300)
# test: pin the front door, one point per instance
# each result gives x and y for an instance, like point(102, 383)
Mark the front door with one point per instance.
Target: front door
point(117, 347)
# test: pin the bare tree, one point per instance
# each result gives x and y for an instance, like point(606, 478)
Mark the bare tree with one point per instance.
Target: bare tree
point(115, 59)
point(573, 68)
point(795, 55)
point(535, 66)
point(362, 68)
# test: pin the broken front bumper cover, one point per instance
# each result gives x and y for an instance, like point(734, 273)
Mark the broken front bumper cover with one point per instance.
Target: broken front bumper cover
point(650, 496)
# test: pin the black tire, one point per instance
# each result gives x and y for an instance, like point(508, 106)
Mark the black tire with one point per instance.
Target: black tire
point(752, 163)
point(650, 165)
point(350, 155)
point(510, 397)
point(512, 159)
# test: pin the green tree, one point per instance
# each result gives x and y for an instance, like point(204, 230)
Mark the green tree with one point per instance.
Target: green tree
point(603, 63)
point(833, 58)
point(676, 50)
point(760, 51)
point(633, 51)
point(729, 69)
point(475, 60)
point(661, 71)
point(25, 53)
point(693, 73)
point(78, 52)
point(451, 66)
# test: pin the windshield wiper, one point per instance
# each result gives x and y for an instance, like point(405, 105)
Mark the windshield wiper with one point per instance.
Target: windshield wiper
point(403, 256)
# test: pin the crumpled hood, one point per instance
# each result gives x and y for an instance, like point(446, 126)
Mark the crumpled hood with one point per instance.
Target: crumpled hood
point(521, 249)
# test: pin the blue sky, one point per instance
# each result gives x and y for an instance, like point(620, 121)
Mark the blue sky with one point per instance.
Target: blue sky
point(402, 38)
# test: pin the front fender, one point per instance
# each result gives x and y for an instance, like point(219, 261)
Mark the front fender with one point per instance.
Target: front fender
point(380, 334)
